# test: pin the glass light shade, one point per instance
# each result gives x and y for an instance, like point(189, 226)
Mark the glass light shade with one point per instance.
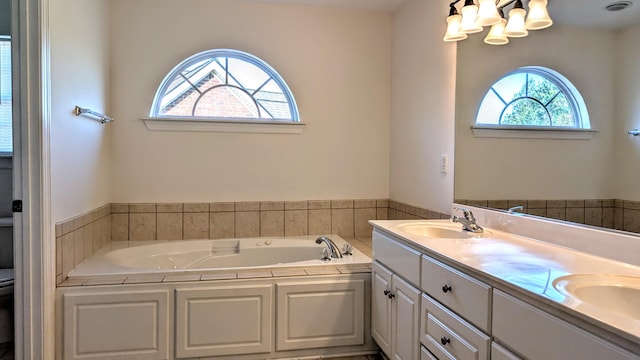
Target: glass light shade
point(538, 16)
point(453, 29)
point(515, 25)
point(488, 13)
point(496, 35)
point(469, 14)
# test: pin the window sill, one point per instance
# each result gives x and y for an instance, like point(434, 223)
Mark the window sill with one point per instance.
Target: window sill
point(524, 132)
point(224, 126)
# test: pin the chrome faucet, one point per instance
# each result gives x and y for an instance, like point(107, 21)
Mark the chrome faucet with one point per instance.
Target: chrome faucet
point(468, 221)
point(333, 248)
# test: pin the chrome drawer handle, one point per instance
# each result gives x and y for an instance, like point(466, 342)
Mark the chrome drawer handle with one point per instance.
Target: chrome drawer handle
point(446, 288)
point(445, 340)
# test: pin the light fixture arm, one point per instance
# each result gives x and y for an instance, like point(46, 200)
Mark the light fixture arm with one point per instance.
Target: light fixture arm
point(452, 8)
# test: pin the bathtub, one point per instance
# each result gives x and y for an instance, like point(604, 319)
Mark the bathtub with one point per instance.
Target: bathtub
point(200, 256)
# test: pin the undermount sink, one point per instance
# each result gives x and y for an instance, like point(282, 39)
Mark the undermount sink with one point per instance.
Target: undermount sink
point(435, 231)
point(617, 293)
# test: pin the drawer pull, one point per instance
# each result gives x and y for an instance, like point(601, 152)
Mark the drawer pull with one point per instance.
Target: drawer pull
point(391, 295)
point(445, 340)
point(446, 288)
point(386, 292)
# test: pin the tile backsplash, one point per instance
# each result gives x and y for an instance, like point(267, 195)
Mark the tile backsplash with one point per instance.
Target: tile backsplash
point(78, 238)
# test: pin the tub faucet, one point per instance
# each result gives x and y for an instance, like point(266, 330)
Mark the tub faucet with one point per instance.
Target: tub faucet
point(468, 221)
point(333, 248)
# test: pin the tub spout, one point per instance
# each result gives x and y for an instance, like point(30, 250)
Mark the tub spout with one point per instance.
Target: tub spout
point(333, 248)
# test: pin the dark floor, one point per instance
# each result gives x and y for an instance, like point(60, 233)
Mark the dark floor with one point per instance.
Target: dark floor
point(6, 351)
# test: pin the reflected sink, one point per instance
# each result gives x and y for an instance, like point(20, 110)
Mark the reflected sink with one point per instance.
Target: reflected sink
point(617, 293)
point(440, 231)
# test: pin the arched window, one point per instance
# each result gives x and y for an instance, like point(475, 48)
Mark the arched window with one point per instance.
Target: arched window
point(533, 97)
point(224, 84)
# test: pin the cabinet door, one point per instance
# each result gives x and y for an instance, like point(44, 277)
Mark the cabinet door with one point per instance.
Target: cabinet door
point(405, 310)
point(320, 314)
point(381, 306)
point(116, 325)
point(223, 320)
point(500, 353)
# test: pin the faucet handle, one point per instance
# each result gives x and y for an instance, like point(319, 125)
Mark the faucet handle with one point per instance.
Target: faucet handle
point(347, 249)
point(326, 255)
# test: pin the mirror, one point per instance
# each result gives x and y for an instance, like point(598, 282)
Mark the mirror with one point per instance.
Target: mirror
point(594, 182)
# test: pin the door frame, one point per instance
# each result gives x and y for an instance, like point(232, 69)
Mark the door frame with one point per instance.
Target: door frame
point(34, 245)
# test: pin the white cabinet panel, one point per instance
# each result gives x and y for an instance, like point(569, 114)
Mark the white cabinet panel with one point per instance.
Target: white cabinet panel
point(426, 355)
point(116, 325)
point(448, 336)
point(538, 335)
point(405, 307)
point(500, 353)
point(320, 314)
point(401, 259)
point(223, 320)
point(381, 306)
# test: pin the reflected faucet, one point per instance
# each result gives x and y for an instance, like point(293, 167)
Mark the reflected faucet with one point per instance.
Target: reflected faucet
point(333, 248)
point(468, 221)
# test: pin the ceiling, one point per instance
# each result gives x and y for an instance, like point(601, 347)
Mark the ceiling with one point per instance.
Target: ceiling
point(566, 12)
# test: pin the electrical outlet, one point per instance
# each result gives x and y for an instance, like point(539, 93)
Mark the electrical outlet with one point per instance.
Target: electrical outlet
point(444, 163)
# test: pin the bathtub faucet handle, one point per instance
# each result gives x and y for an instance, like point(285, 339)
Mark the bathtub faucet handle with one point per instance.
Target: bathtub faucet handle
point(325, 254)
point(347, 249)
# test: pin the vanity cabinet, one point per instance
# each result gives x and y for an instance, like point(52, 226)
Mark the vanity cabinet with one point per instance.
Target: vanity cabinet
point(395, 298)
point(538, 335)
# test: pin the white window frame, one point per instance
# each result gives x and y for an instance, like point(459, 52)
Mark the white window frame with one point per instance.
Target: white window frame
point(157, 122)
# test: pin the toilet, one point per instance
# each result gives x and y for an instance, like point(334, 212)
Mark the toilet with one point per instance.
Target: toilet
point(6, 305)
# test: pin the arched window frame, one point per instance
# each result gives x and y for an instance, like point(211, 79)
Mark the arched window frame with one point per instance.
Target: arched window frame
point(582, 129)
point(161, 122)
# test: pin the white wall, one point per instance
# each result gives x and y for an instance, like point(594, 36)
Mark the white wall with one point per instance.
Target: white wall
point(628, 111)
point(80, 147)
point(534, 168)
point(422, 106)
point(335, 61)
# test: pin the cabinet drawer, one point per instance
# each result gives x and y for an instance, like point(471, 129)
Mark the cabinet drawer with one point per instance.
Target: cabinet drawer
point(448, 336)
point(461, 293)
point(400, 258)
point(425, 354)
point(538, 335)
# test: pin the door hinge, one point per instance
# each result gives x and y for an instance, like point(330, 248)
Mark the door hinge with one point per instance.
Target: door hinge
point(16, 206)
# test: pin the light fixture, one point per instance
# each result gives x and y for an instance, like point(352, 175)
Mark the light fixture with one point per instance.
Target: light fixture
point(496, 35)
point(454, 33)
point(469, 15)
point(491, 13)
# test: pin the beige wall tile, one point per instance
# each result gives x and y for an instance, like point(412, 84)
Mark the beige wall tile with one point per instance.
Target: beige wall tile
point(222, 206)
point(393, 214)
point(342, 204)
point(196, 225)
point(382, 203)
point(498, 204)
point(537, 204)
point(169, 208)
point(607, 203)
point(575, 203)
point(362, 228)
point(78, 246)
point(296, 222)
point(142, 208)
point(272, 205)
point(538, 212)
point(593, 216)
point(382, 213)
point(142, 226)
point(319, 222)
point(556, 213)
point(296, 205)
point(247, 223)
point(364, 203)
point(342, 222)
point(195, 207)
point(248, 206)
point(575, 214)
point(59, 255)
point(631, 220)
point(607, 217)
point(68, 253)
point(169, 225)
point(593, 203)
point(618, 218)
point(633, 205)
point(59, 230)
point(556, 204)
point(119, 208)
point(484, 203)
point(434, 215)
point(618, 203)
point(88, 240)
point(422, 213)
point(222, 225)
point(319, 204)
point(272, 223)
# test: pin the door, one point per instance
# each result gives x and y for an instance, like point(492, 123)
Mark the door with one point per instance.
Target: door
point(405, 310)
point(381, 306)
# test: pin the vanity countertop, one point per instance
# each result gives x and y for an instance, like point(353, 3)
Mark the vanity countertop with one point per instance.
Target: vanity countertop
point(520, 263)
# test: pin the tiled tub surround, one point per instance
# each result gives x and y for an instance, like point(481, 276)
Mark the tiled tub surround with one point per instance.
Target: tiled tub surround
point(80, 237)
point(609, 213)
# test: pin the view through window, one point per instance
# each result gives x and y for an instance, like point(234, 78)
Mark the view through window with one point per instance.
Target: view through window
point(6, 141)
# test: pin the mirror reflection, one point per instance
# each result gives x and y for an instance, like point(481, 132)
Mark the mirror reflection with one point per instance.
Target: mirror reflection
point(589, 180)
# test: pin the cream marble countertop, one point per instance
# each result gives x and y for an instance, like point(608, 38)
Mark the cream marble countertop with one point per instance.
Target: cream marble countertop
point(523, 263)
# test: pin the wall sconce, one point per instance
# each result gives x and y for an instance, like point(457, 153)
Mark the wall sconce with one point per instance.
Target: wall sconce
point(491, 13)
